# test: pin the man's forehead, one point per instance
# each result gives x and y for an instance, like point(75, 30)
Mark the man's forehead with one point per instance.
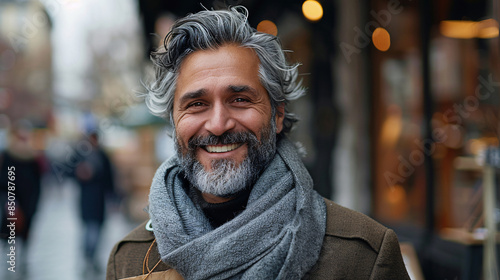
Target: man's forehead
point(226, 50)
point(231, 67)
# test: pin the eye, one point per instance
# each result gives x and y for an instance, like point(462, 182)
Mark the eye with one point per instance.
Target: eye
point(240, 99)
point(195, 104)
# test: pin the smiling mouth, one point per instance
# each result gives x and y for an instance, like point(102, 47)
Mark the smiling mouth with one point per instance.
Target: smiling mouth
point(222, 148)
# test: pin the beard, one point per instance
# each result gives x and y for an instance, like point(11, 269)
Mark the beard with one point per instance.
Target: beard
point(226, 177)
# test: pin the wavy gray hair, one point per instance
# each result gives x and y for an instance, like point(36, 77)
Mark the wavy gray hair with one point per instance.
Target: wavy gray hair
point(210, 30)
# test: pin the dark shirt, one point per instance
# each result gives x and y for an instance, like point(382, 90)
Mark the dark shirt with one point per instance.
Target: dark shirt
point(220, 213)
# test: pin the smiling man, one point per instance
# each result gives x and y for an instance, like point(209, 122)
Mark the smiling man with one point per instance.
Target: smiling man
point(236, 202)
point(223, 119)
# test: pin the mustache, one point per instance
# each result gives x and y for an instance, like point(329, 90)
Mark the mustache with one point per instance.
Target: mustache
point(224, 139)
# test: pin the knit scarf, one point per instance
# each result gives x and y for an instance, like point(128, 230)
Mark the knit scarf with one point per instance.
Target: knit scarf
point(278, 236)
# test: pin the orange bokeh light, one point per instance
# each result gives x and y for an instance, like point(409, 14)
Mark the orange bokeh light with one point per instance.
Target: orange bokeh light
point(466, 29)
point(312, 10)
point(381, 39)
point(267, 26)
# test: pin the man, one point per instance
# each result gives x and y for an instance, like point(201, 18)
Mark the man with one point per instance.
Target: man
point(94, 175)
point(22, 168)
point(237, 202)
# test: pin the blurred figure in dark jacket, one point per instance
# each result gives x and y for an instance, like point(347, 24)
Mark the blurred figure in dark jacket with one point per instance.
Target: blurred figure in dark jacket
point(20, 189)
point(95, 177)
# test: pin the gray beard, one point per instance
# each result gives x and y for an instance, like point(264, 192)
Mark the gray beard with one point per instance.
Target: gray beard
point(226, 178)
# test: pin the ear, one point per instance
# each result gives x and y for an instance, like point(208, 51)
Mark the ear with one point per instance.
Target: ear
point(280, 116)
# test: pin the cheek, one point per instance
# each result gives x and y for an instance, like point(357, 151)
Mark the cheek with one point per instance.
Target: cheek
point(183, 132)
point(256, 122)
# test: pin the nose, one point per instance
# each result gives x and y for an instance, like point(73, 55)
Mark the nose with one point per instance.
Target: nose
point(220, 120)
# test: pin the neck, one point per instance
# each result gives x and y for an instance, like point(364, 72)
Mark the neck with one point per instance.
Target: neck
point(210, 198)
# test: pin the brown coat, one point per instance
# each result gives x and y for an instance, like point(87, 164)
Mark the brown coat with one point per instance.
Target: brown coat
point(354, 247)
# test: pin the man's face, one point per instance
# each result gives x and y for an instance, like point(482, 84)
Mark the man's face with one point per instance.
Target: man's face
point(219, 93)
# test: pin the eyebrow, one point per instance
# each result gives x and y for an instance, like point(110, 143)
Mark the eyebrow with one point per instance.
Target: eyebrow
point(243, 88)
point(192, 95)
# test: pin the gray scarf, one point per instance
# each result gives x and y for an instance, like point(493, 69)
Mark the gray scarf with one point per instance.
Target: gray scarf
point(278, 236)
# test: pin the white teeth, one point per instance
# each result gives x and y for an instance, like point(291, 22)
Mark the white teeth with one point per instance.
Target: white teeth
point(222, 149)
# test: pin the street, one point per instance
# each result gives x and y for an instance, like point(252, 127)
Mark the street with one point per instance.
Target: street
point(55, 249)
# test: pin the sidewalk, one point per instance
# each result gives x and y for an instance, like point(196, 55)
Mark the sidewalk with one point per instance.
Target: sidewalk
point(55, 249)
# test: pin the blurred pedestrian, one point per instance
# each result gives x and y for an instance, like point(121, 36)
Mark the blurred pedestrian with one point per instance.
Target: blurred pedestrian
point(95, 177)
point(20, 180)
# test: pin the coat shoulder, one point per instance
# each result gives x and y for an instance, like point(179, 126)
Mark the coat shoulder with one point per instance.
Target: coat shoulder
point(139, 234)
point(349, 224)
point(128, 255)
point(357, 247)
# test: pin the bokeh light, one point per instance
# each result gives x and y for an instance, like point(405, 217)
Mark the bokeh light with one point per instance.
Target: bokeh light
point(392, 126)
point(396, 195)
point(461, 29)
point(487, 29)
point(381, 39)
point(312, 10)
point(267, 26)
point(466, 29)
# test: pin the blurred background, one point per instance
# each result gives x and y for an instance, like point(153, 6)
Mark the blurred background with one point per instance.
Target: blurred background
point(401, 122)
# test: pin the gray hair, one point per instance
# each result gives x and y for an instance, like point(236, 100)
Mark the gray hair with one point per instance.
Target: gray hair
point(211, 30)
